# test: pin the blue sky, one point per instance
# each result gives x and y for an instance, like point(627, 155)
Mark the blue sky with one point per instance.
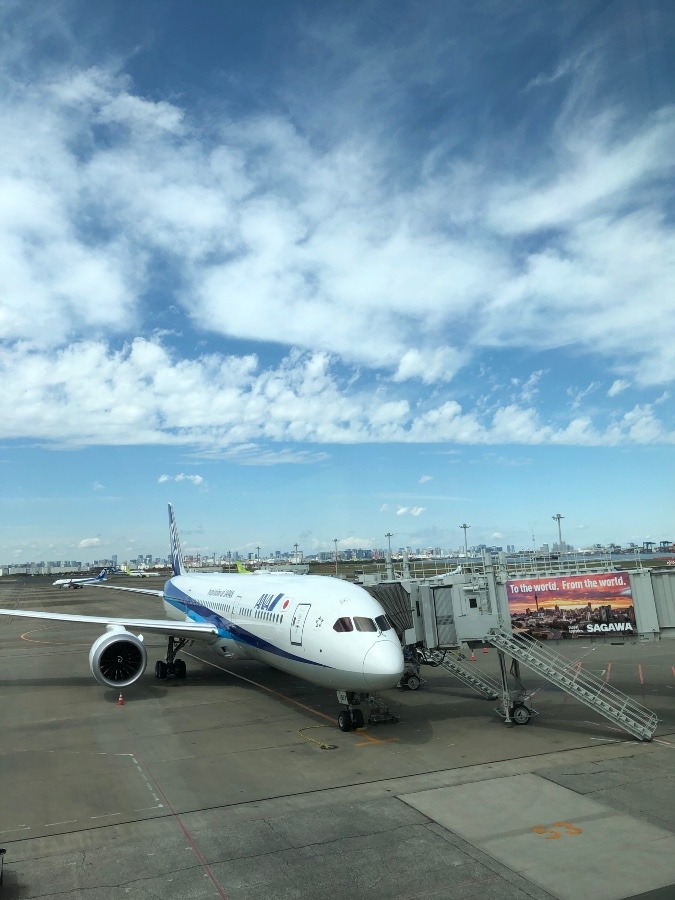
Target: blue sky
point(318, 270)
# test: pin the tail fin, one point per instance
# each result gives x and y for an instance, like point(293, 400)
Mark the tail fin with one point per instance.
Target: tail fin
point(103, 575)
point(176, 553)
point(242, 569)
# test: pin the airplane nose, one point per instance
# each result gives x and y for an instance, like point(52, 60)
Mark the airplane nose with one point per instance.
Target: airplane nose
point(383, 665)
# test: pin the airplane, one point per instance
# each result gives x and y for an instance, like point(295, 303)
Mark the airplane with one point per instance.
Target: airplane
point(322, 629)
point(80, 582)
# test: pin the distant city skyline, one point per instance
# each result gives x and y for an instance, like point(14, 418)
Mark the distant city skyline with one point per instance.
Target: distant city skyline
point(317, 272)
point(375, 554)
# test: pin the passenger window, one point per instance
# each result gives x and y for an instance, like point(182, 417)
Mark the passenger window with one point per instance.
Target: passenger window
point(383, 623)
point(343, 625)
point(363, 624)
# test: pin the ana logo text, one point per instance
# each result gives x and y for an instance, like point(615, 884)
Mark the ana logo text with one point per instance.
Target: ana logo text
point(268, 601)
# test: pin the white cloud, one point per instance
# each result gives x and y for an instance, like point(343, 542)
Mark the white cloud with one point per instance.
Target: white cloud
point(97, 486)
point(564, 69)
point(530, 387)
point(256, 455)
point(86, 394)
point(425, 478)
point(578, 395)
point(89, 542)
point(617, 387)
point(197, 480)
point(272, 236)
point(410, 510)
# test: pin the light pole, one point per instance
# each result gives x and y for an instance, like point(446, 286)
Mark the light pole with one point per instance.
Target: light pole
point(556, 518)
point(335, 540)
point(390, 564)
point(296, 554)
point(466, 549)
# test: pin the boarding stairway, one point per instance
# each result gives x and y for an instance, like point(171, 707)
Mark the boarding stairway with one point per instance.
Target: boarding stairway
point(454, 662)
point(569, 676)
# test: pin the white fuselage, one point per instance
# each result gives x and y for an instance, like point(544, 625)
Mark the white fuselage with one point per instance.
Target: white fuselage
point(327, 631)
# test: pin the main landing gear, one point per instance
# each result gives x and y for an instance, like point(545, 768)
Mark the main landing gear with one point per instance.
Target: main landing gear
point(172, 668)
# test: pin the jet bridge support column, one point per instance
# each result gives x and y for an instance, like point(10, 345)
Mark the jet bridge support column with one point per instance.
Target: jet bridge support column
point(515, 704)
point(505, 688)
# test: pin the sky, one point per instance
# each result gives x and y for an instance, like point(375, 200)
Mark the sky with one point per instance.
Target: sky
point(319, 271)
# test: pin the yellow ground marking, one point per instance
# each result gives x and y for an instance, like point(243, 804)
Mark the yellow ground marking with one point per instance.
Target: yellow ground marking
point(369, 740)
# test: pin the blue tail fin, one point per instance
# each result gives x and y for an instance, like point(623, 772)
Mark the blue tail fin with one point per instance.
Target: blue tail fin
point(176, 553)
point(103, 575)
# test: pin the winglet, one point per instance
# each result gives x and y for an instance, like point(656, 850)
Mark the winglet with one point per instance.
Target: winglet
point(176, 553)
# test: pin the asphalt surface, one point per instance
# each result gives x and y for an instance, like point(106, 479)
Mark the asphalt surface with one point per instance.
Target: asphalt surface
point(237, 782)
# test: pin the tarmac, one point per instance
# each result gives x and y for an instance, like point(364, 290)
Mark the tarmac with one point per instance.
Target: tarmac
point(236, 783)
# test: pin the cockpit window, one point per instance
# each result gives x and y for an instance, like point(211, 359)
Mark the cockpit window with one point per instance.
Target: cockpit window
point(343, 625)
point(363, 624)
point(383, 623)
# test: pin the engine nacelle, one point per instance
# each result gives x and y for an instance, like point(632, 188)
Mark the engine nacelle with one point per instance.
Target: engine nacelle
point(118, 658)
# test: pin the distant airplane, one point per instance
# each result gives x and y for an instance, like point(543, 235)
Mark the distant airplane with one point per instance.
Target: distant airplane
point(457, 571)
point(80, 582)
point(325, 630)
point(138, 573)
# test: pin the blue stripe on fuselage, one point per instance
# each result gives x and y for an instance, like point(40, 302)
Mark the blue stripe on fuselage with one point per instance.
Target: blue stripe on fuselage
point(197, 612)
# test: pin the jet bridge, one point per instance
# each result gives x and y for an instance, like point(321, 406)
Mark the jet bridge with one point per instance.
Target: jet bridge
point(437, 617)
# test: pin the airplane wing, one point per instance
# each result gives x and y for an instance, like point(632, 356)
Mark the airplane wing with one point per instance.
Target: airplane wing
point(195, 630)
point(132, 590)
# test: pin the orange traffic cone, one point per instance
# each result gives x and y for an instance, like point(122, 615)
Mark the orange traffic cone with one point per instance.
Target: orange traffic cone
point(473, 656)
point(484, 649)
point(120, 700)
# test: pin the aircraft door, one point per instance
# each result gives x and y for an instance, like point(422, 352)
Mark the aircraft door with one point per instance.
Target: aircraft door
point(298, 623)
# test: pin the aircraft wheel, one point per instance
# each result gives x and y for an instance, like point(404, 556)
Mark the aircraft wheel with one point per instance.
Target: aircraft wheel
point(345, 720)
point(180, 669)
point(521, 714)
point(413, 682)
point(357, 718)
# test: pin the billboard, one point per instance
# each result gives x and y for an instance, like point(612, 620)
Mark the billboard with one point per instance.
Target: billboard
point(566, 606)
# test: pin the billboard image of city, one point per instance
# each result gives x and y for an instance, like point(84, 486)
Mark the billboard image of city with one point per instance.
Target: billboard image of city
point(567, 606)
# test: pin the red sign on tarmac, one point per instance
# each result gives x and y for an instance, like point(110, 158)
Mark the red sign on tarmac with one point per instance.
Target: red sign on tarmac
point(563, 606)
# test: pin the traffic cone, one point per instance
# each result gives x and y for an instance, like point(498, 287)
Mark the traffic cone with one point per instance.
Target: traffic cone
point(120, 700)
point(484, 649)
point(473, 656)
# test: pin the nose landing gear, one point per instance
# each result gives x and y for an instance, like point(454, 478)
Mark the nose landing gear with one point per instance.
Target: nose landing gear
point(376, 710)
point(349, 719)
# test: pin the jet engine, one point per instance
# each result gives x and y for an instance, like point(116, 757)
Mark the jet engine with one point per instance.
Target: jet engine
point(118, 658)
